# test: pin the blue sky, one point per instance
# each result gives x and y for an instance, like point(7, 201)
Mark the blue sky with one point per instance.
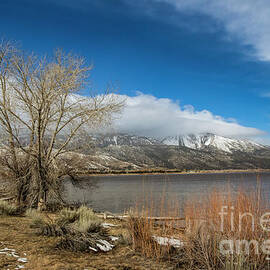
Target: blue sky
point(205, 65)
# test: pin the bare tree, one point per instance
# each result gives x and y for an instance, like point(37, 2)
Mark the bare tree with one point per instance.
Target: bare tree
point(41, 113)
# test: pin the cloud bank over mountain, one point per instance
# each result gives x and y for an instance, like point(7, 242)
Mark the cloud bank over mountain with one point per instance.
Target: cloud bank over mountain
point(158, 117)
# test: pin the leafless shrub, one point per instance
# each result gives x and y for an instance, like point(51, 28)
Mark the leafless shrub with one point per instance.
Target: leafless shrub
point(41, 114)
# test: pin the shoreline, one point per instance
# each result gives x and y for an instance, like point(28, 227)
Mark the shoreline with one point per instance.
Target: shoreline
point(174, 172)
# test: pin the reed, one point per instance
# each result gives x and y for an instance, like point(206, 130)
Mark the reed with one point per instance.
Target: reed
point(145, 231)
point(223, 230)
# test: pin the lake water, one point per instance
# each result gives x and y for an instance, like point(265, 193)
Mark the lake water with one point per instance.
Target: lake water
point(119, 193)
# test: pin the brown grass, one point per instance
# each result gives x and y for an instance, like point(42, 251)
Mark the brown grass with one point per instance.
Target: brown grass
point(41, 253)
point(8, 209)
point(143, 230)
point(205, 231)
point(79, 230)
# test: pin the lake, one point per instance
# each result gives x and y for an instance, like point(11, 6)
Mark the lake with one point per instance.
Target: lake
point(119, 193)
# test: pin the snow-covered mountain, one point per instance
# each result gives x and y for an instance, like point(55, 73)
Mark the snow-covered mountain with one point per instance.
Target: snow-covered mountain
point(202, 141)
point(123, 139)
point(204, 151)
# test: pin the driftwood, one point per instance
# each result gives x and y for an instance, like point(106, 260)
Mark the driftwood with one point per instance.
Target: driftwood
point(111, 216)
point(159, 221)
point(165, 218)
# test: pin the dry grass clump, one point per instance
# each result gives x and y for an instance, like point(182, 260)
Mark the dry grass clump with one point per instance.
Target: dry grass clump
point(67, 215)
point(87, 221)
point(144, 231)
point(44, 225)
point(125, 237)
point(142, 234)
point(8, 209)
point(79, 230)
point(36, 217)
point(224, 232)
point(82, 219)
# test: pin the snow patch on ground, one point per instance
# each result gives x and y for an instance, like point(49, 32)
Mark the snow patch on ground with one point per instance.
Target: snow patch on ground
point(94, 249)
point(114, 238)
point(104, 245)
point(108, 225)
point(12, 253)
point(19, 267)
point(165, 241)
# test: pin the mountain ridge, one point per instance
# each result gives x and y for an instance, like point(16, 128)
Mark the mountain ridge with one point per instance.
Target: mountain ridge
point(193, 141)
point(132, 152)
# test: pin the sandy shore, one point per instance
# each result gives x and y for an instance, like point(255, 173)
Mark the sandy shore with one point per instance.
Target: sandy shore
point(158, 172)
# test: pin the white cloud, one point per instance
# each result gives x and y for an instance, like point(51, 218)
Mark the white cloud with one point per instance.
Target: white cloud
point(246, 20)
point(264, 140)
point(158, 117)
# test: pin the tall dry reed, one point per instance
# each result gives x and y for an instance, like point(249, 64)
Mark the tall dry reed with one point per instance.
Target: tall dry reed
point(147, 233)
point(223, 230)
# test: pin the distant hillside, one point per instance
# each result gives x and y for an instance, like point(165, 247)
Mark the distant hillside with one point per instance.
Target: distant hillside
point(204, 151)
